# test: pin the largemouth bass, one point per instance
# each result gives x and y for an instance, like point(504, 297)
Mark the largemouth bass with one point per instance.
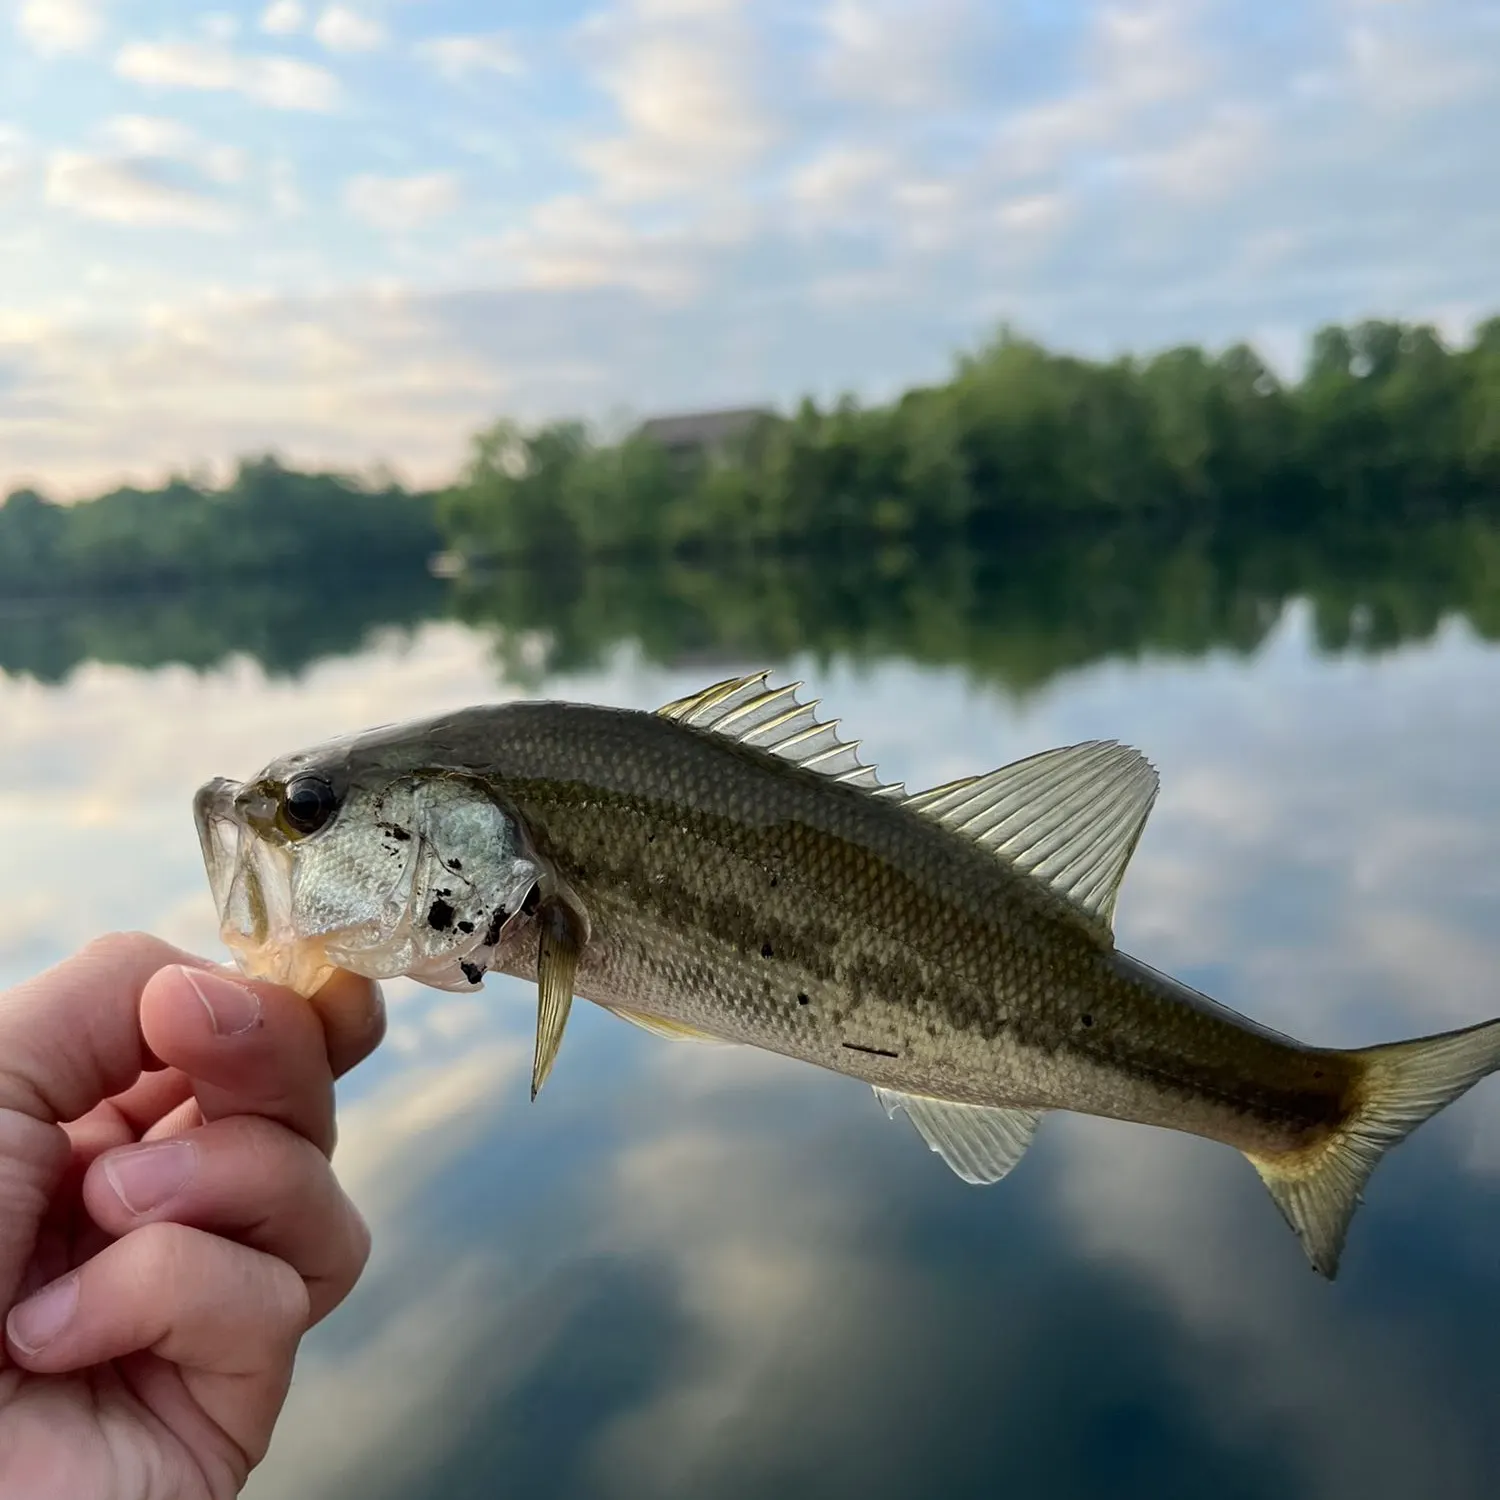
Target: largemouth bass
point(727, 868)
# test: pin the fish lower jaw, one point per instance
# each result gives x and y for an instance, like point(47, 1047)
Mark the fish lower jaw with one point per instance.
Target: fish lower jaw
point(303, 967)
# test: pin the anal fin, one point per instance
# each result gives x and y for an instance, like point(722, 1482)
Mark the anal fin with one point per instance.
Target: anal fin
point(981, 1143)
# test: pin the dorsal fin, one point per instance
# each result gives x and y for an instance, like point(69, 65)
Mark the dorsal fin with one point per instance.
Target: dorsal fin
point(1070, 817)
point(744, 709)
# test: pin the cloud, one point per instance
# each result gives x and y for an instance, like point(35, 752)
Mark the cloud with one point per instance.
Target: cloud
point(279, 82)
point(219, 25)
point(842, 177)
point(1397, 71)
point(402, 203)
point(57, 26)
point(463, 56)
point(287, 200)
point(682, 78)
point(576, 242)
point(1353, 1409)
point(121, 190)
point(154, 172)
point(219, 375)
point(903, 54)
point(283, 18)
point(751, 177)
point(343, 30)
point(1213, 162)
point(1131, 62)
point(170, 140)
point(13, 160)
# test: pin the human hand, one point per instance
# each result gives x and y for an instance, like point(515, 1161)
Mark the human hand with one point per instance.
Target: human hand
point(157, 1292)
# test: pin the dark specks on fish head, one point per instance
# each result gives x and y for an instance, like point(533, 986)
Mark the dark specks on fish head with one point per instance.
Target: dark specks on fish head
point(433, 854)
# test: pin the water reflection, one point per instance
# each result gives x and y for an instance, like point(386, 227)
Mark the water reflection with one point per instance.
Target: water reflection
point(691, 1270)
point(1038, 604)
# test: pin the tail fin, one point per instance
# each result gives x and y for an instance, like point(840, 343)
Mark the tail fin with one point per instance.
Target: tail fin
point(1401, 1085)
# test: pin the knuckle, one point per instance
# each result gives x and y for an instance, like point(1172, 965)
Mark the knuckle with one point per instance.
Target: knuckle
point(378, 1020)
point(163, 1249)
point(264, 1150)
point(288, 1302)
point(112, 948)
point(361, 1241)
point(341, 1272)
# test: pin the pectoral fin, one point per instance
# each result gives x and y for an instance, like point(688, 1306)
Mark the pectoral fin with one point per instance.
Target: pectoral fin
point(980, 1143)
point(561, 942)
point(672, 1031)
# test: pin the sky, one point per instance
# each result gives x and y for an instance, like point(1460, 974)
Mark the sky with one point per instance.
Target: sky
point(355, 234)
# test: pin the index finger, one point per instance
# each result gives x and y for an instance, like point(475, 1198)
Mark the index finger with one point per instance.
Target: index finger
point(71, 1036)
point(69, 1039)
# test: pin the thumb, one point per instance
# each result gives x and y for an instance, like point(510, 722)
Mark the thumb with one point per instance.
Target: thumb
point(69, 1039)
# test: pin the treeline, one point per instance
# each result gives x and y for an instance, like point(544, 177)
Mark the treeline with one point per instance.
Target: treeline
point(1386, 420)
point(268, 520)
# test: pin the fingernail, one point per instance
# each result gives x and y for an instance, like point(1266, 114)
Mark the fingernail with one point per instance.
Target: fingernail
point(145, 1177)
point(232, 1009)
point(37, 1321)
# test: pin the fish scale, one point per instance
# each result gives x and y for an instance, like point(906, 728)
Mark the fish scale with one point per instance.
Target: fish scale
point(728, 868)
point(1003, 975)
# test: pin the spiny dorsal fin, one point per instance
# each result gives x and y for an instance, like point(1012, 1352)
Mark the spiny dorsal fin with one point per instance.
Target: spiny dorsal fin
point(1070, 817)
point(744, 709)
point(979, 1142)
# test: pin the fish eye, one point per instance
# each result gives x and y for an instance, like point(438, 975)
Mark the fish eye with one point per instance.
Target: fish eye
point(307, 803)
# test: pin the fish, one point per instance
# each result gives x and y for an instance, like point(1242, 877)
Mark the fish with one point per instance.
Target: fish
point(728, 869)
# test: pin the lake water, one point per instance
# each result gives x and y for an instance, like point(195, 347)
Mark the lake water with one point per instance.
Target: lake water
point(705, 1271)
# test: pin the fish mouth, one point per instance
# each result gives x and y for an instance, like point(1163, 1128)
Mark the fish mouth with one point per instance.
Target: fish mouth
point(250, 879)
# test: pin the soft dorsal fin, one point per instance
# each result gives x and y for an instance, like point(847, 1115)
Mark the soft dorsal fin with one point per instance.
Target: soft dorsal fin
point(744, 709)
point(981, 1143)
point(1070, 817)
